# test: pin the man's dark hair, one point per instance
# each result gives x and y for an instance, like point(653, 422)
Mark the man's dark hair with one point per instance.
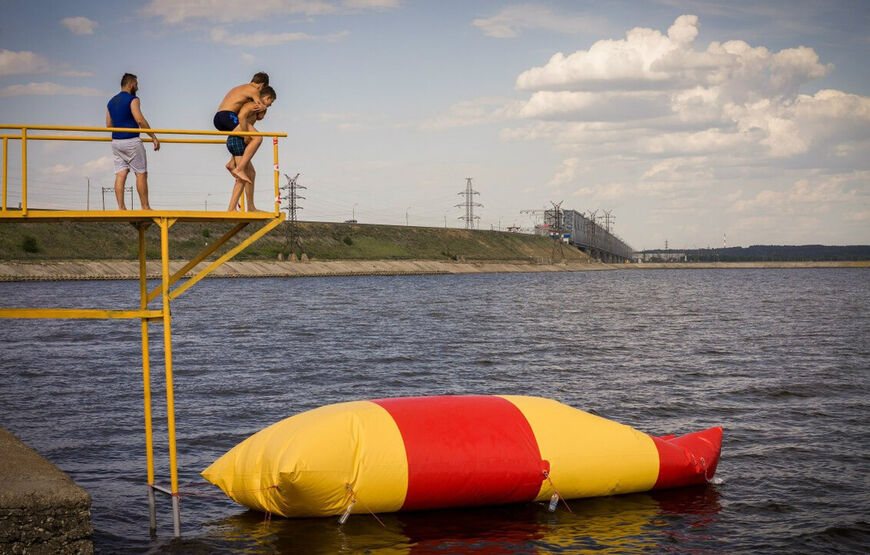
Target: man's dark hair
point(127, 79)
point(260, 77)
point(268, 91)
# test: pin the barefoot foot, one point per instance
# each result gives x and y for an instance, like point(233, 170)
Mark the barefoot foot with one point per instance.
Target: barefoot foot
point(240, 175)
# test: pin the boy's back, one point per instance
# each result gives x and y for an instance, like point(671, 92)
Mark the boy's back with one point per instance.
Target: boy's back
point(238, 97)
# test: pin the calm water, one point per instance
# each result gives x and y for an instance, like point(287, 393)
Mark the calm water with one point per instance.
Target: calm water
point(779, 358)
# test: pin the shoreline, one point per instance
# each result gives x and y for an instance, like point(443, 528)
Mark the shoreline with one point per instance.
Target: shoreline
point(72, 270)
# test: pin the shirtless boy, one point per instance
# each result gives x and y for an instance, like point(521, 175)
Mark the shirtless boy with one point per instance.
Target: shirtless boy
point(226, 118)
point(242, 149)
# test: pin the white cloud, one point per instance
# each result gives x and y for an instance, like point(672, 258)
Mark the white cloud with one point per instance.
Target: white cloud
point(26, 62)
point(589, 106)
point(566, 172)
point(97, 166)
point(354, 122)
point(230, 11)
point(370, 4)
point(814, 194)
point(604, 193)
point(260, 39)
point(678, 169)
point(101, 164)
point(22, 63)
point(48, 89)
point(617, 64)
point(58, 169)
point(509, 22)
point(649, 60)
point(79, 25)
point(655, 94)
point(479, 111)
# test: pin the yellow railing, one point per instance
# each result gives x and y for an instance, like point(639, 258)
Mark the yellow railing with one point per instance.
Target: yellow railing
point(24, 137)
point(141, 220)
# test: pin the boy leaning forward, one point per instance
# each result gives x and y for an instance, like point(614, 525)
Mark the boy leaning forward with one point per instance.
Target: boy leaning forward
point(227, 116)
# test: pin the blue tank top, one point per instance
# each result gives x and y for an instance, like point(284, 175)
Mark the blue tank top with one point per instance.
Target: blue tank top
point(122, 116)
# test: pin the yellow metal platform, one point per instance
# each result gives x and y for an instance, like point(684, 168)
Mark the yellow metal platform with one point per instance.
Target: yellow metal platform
point(171, 284)
point(132, 216)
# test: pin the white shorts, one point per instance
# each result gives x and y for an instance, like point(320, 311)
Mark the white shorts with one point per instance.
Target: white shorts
point(129, 155)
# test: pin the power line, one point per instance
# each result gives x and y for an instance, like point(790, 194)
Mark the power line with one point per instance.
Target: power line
point(127, 189)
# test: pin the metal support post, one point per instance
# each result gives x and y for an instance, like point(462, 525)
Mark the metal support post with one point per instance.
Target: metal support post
point(5, 156)
point(146, 381)
point(277, 174)
point(23, 171)
point(165, 223)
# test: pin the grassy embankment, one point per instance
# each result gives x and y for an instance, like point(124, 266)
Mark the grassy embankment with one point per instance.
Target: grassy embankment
point(321, 241)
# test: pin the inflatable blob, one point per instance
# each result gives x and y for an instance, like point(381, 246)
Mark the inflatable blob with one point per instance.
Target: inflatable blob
point(419, 453)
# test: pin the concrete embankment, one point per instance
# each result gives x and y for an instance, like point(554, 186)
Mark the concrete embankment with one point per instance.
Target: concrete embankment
point(127, 269)
point(41, 509)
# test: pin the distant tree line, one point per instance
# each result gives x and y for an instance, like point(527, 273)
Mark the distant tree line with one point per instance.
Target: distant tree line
point(767, 253)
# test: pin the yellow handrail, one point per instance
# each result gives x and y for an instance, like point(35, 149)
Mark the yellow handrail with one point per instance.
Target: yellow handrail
point(25, 136)
point(142, 130)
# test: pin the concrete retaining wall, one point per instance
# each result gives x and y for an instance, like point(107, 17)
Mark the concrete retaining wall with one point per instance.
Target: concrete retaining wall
point(41, 509)
point(127, 269)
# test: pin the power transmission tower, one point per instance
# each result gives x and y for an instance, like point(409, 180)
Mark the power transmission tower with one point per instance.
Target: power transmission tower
point(608, 237)
point(291, 236)
point(608, 218)
point(556, 227)
point(127, 189)
point(469, 205)
point(592, 233)
point(537, 216)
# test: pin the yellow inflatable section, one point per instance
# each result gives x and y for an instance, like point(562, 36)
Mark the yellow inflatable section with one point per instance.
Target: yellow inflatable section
point(302, 465)
point(589, 455)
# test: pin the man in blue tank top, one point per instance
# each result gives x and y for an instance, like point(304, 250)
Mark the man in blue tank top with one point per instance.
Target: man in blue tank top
point(129, 154)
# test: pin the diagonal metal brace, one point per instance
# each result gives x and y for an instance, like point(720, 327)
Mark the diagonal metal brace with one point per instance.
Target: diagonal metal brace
point(227, 256)
point(198, 258)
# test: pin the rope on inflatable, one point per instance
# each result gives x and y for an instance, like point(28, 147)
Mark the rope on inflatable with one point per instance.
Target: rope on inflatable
point(552, 485)
point(353, 497)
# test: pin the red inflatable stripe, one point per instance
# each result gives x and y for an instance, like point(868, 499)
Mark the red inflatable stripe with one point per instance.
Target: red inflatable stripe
point(689, 459)
point(469, 450)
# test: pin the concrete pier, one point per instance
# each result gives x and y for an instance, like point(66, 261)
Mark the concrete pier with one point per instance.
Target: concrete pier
point(41, 509)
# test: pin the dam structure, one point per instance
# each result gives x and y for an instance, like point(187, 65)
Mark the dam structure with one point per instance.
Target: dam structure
point(587, 235)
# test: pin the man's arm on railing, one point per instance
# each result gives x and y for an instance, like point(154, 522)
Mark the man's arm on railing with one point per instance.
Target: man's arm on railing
point(143, 123)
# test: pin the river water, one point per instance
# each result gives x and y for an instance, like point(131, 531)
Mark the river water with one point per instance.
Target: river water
point(779, 358)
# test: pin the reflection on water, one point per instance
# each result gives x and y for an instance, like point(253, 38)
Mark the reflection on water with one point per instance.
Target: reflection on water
point(628, 523)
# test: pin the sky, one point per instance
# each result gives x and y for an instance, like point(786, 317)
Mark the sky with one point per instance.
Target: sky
point(692, 122)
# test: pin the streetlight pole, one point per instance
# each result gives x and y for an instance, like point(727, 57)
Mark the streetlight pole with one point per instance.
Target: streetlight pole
point(406, 215)
point(353, 212)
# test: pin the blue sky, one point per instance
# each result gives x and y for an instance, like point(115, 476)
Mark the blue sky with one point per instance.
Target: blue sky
point(687, 120)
